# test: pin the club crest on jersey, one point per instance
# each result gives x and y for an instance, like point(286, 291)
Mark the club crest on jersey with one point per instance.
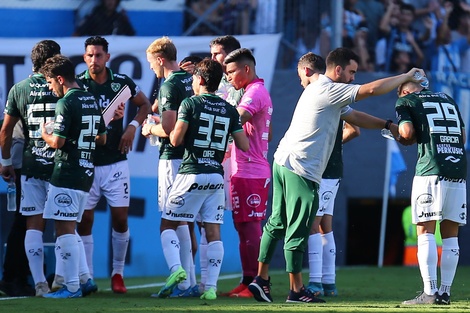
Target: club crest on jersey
point(115, 86)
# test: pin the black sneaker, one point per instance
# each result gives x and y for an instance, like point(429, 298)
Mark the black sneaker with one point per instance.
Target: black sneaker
point(443, 299)
point(261, 289)
point(304, 296)
point(421, 298)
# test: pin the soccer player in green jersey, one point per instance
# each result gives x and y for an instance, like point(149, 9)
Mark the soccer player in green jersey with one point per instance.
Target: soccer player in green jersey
point(439, 191)
point(161, 55)
point(111, 159)
point(77, 125)
point(204, 124)
point(31, 101)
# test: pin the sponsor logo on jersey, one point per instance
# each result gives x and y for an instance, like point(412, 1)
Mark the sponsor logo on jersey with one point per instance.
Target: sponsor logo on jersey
point(253, 200)
point(28, 209)
point(207, 186)
point(39, 85)
point(86, 164)
point(63, 200)
point(177, 201)
point(65, 214)
point(425, 200)
point(448, 149)
point(183, 215)
point(449, 139)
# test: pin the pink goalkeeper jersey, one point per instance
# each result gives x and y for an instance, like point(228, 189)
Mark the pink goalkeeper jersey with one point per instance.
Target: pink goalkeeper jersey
point(254, 163)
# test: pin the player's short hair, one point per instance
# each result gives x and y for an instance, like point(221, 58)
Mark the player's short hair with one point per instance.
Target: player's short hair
point(164, 47)
point(314, 62)
point(192, 58)
point(228, 42)
point(212, 73)
point(341, 57)
point(59, 65)
point(240, 55)
point(42, 51)
point(97, 41)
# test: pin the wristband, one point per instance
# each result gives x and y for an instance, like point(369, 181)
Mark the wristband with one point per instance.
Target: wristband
point(387, 124)
point(7, 162)
point(134, 123)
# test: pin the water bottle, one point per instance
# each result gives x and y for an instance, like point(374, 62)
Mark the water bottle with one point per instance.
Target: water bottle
point(153, 139)
point(11, 196)
point(424, 83)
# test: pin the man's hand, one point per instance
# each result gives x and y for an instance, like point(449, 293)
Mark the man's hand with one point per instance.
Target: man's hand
point(119, 112)
point(8, 173)
point(125, 145)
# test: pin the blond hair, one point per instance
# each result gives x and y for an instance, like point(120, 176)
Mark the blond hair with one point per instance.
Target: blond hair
point(164, 47)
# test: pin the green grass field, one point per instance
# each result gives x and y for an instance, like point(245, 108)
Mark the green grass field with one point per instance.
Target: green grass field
point(361, 289)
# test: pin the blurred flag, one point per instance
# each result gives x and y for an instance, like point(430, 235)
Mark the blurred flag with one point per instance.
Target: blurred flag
point(397, 165)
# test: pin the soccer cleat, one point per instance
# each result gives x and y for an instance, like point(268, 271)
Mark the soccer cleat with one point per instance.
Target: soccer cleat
point(329, 290)
point(177, 292)
point(261, 289)
point(315, 288)
point(175, 278)
point(42, 289)
point(421, 298)
point(209, 294)
point(245, 293)
point(89, 287)
point(235, 290)
point(443, 299)
point(304, 296)
point(117, 284)
point(195, 291)
point(64, 293)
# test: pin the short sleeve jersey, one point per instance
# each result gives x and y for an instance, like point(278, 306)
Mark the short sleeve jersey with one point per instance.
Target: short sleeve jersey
point(210, 122)
point(176, 87)
point(33, 102)
point(254, 162)
point(104, 94)
point(309, 140)
point(439, 133)
point(77, 119)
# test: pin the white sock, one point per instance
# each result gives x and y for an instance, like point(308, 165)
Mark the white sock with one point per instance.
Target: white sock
point(59, 266)
point(329, 258)
point(186, 254)
point(449, 260)
point(215, 255)
point(120, 241)
point(70, 256)
point(315, 252)
point(34, 248)
point(192, 278)
point(88, 244)
point(427, 259)
point(83, 271)
point(171, 249)
point(203, 256)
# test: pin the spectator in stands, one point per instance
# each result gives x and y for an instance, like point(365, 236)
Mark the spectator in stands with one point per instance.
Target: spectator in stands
point(105, 19)
point(398, 39)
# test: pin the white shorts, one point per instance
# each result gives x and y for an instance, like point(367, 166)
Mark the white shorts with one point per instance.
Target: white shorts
point(65, 204)
point(167, 170)
point(435, 198)
point(113, 182)
point(36, 195)
point(327, 193)
point(192, 194)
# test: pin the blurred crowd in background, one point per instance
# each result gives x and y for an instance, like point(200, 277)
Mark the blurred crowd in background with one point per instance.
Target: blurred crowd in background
point(388, 35)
